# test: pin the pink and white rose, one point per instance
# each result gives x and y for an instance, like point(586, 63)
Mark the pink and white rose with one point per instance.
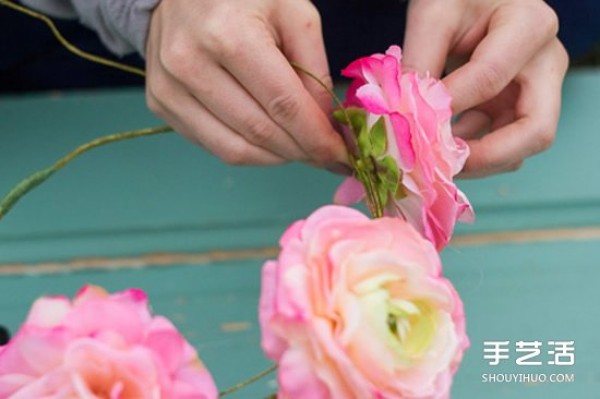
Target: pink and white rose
point(356, 308)
point(101, 346)
point(417, 115)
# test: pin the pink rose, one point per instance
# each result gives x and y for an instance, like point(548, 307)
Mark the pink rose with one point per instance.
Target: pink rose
point(416, 117)
point(100, 346)
point(357, 308)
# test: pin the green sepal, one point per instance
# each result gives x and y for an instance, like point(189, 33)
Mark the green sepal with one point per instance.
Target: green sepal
point(358, 123)
point(389, 174)
point(357, 116)
point(388, 179)
point(364, 142)
point(384, 194)
point(340, 116)
point(378, 138)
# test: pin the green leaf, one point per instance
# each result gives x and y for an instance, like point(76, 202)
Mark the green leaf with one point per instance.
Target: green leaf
point(388, 179)
point(357, 116)
point(389, 174)
point(383, 193)
point(364, 142)
point(339, 116)
point(358, 123)
point(378, 137)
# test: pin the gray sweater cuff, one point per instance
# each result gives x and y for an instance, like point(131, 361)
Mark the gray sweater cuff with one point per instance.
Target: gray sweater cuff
point(121, 24)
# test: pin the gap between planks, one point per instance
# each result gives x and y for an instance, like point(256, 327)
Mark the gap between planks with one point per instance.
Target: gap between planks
point(204, 258)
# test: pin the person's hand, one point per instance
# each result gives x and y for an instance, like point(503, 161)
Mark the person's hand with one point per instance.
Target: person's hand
point(218, 71)
point(506, 68)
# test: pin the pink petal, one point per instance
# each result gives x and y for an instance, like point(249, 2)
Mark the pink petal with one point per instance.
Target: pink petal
point(372, 99)
point(396, 52)
point(402, 142)
point(297, 377)
point(48, 312)
point(271, 344)
point(167, 344)
point(349, 192)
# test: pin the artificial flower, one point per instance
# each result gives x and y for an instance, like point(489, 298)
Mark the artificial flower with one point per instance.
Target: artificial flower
point(357, 308)
point(100, 346)
point(403, 122)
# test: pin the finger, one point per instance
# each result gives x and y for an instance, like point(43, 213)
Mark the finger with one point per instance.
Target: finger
point(267, 75)
point(476, 174)
point(223, 96)
point(197, 124)
point(429, 31)
point(516, 33)
point(502, 119)
point(537, 112)
point(302, 43)
point(471, 124)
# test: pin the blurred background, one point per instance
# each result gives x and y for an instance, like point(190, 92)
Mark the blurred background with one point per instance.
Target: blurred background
point(31, 59)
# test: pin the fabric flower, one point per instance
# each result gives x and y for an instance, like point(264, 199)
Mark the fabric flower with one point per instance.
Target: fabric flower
point(100, 346)
point(406, 127)
point(356, 308)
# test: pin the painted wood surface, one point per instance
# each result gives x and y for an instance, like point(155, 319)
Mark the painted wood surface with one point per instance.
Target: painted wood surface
point(161, 215)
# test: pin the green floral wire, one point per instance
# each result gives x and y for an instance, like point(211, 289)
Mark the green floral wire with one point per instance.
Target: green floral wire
point(37, 178)
point(245, 383)
point(73, 49)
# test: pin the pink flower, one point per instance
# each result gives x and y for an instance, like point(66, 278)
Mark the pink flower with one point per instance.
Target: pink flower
point(416, 116)
point(357, 308)
point(100, 346)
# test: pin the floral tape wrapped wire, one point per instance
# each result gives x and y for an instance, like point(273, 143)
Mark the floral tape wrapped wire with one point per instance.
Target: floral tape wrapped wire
point(404, 128)
point(357, 308)
point(101, 346)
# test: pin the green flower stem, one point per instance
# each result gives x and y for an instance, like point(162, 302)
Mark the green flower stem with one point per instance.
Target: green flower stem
point(245, 383)
point(314, 77)
point(29, 183)
point(365, 169)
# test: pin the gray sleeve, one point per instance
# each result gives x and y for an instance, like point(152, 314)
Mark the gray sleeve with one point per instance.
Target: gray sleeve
point(121, 24)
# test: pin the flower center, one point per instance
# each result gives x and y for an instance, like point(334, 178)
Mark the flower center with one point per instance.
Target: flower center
point(413, 324)
point(408, 325)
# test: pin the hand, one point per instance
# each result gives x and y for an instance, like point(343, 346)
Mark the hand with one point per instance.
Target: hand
point(508, 92)
point(218, 72)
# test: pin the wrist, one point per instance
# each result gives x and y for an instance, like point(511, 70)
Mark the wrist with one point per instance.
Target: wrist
point(131, 20)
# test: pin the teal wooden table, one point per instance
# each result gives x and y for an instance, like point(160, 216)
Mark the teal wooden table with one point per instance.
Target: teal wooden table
point(159, 214)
